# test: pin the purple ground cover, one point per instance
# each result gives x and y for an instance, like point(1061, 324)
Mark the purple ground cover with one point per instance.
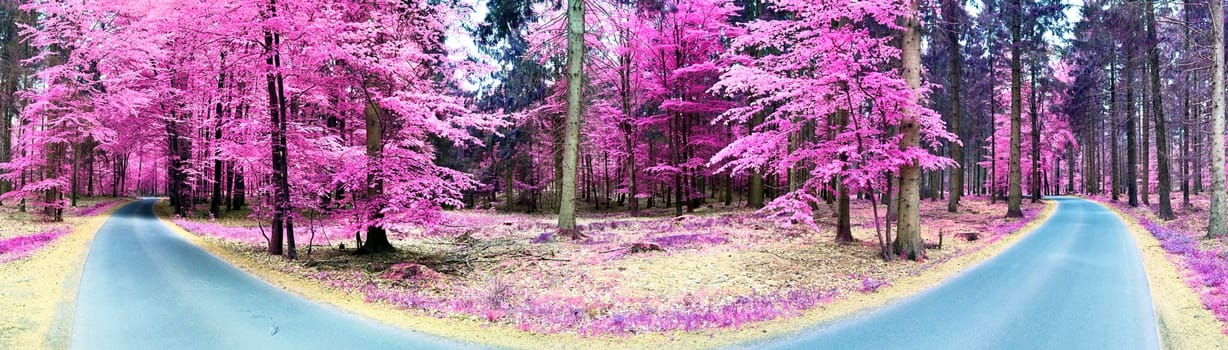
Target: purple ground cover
point(590, 315)
point(97, 208)
point(14, 248)
point(330, 235)
point(1205, 270)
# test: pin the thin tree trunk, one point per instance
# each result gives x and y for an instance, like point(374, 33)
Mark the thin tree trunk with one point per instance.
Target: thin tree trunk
point(755, 181)
point(1131, 130)
point(215, 203)
point(76, 170)
point(1145, 148)
point(1186, 122)
point(629, 131)
point(571, 139)
point(993, 130)
point(844, 227)
point(1115, 162)
point(1035, 134)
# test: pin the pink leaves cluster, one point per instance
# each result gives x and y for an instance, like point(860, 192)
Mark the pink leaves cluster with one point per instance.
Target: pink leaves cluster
point(822, 96)
point(1056, 135)
point(98, 208)
point(186, 82)
point(651, 66)
point(19, 247)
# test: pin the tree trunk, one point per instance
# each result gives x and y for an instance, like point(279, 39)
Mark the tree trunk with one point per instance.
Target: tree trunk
point(377, 235)
point(950, 10)
point(1218, 225)
point(1131, 130)
point(630, 132)
point(754, 183)
point(1036, 185)
point(277, 117)
point(89, 163)
point(993, 130)
point(52, 196)
point(1145, 148)
point(1200, 138)
point(1070, 170)
point(239, 197)
point(215, 202)
point(908, 236)
point(1185, 110)
point(1114, 161)
point(76, 171)
point(571, 139)
point(1157, 110)
point(1015, 195)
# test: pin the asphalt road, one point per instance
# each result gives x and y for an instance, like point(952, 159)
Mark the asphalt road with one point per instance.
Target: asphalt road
point(1075, 283)
point(144, 287)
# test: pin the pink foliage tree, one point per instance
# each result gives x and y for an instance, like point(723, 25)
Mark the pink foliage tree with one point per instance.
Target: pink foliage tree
point(261, 94)
point(825, 98)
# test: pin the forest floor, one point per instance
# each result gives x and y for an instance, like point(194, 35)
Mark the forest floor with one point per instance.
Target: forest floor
point(1194, 284)
point(39, 266)
point(635, 281)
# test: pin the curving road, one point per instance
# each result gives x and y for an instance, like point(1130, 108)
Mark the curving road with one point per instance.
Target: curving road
point(1075, 283)
point(144, 287)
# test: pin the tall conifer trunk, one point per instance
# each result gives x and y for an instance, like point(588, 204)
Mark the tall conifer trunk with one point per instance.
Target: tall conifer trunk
point(950, 10)
point(1015, 195)
point(1218, 221)
point(1157, 110)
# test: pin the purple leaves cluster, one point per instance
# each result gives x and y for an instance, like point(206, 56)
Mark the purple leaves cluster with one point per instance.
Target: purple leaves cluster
point(697, 239)
point(1009, 227)
point(544, 237)
point(97, 208)
point(743, 310)
point(870, 284)
point(252, 235)
point(249, 235)
point(500, 302)
point(19, 247)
